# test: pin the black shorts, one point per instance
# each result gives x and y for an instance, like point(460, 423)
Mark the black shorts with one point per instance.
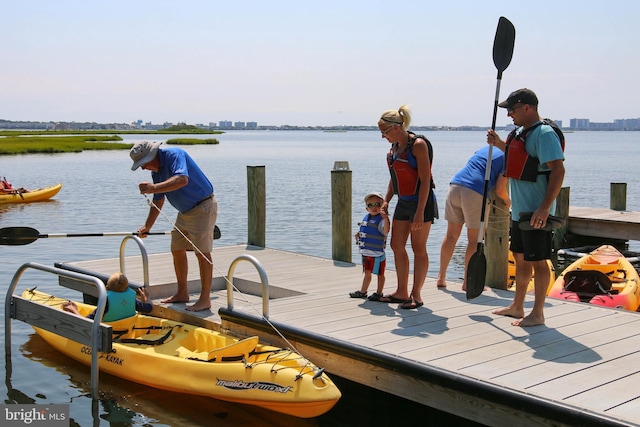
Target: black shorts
point(534, 244)
point(406, 209)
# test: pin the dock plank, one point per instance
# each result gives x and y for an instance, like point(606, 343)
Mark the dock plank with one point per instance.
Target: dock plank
point(577, 364)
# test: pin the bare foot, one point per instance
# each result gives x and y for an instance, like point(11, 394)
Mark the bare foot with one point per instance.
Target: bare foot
point(441, 283)
point(199, 306)
point(509, 311)
point(175, 298)
point(530, 320)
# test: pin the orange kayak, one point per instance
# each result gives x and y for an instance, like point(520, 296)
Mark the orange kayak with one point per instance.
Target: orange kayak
point(603, 277)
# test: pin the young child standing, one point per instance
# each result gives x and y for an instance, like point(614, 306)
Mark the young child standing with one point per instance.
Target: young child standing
point(372, 239)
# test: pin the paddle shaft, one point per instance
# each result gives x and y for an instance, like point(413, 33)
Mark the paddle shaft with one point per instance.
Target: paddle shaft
point(26, 235)
point(108, 234)
point(487, 173)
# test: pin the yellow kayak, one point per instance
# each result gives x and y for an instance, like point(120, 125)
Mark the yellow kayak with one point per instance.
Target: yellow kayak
point(511, 272)
point(603, 277)
point(184, 358)
point(30, 195)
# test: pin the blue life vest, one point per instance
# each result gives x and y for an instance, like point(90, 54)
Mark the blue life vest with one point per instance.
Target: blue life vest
point(120, 305)
point(370, 239)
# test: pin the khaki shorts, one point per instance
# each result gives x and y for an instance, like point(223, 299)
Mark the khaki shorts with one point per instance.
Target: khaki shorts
point(464, 206)
point(197, 224)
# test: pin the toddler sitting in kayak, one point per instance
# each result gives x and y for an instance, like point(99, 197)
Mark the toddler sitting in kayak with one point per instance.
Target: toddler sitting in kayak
point(121, 300)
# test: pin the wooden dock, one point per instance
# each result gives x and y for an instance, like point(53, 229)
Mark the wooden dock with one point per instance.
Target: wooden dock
point(605, 223)
point(581, 368)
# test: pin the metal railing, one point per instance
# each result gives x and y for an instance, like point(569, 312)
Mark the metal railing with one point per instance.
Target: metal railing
point(22, 309)
point(143, 253)
point(263, 280)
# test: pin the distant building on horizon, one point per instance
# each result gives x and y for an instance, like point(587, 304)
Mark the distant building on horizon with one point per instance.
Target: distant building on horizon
point(618, 124)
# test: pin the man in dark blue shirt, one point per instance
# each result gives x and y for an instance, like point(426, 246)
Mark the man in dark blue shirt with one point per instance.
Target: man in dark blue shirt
point(177, 177)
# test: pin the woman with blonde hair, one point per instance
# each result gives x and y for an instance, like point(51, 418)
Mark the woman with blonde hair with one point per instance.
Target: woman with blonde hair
point(409, 162)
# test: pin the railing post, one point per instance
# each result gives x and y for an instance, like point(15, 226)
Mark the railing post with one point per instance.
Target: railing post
point(257, 202)
point(341, 211)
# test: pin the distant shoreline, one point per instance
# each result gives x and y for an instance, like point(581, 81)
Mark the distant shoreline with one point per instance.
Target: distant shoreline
point(44, 128)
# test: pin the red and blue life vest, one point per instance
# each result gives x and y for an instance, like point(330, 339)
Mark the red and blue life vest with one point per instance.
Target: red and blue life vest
point(403, 168)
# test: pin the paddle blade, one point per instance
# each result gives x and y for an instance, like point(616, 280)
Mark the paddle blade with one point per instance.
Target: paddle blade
point(476, 274)
point(503, 44)
point(18, 235)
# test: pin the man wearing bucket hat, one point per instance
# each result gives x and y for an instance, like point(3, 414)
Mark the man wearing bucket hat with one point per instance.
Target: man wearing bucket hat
point(534, 165)
point(177, 177)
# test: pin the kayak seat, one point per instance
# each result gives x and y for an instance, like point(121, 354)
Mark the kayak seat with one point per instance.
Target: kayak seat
point(240, 349)
point(612, 271)
point(587, 284)
point(234, 351)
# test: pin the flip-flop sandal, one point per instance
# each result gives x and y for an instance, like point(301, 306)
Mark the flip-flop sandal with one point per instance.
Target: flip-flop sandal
point(390, 298)
point(553, 222)
point(411, 304)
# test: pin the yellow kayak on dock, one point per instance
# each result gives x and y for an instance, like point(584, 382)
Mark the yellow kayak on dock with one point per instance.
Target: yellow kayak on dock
point(180, 357)
point(28, 196)
point(511, 275)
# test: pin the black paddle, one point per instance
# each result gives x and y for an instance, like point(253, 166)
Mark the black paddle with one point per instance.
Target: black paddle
point(502, 53)
point(26, 235)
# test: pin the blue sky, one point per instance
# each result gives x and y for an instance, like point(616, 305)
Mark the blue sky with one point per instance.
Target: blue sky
point(313, 63)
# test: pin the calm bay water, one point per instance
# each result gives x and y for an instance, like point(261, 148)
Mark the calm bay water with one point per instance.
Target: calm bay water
point(100, 195)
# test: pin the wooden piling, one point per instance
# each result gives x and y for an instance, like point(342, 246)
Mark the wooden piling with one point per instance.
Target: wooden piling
point(618, 196)
point(497, 242)
point(341, 211)
point(560, 234)
point(257, 206)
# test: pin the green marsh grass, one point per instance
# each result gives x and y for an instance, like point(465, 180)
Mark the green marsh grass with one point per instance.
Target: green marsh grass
point(192, 141)
point(31, 143)
point(59, 144)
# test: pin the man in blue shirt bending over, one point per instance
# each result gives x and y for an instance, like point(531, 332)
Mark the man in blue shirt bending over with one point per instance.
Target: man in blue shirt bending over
point(177, 177)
